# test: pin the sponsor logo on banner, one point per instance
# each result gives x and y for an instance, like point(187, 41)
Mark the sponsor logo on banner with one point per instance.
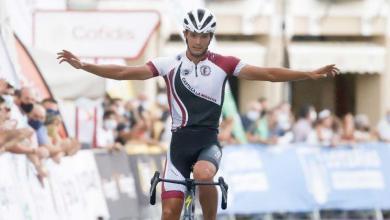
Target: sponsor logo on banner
point(89, 34)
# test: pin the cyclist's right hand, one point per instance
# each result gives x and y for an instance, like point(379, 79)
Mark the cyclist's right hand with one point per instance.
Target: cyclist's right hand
point(67, 56)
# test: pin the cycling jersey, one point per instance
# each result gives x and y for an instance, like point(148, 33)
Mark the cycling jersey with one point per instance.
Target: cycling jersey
point(195, 94)
point(195, 91)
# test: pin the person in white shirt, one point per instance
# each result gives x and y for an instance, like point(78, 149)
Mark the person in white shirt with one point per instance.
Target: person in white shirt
point(384, 128)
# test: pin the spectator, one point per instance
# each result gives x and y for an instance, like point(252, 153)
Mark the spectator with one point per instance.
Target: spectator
point(118, 106)
point(51, 106)
point(284, 117)
point(279, 126)
point(304, 126)
point(363, 131)
point(264, 106)
point(384, 128)
point(251, 116)
point(348, 129)
point(225, 135)
point(24, 99)
point(36, 119)
point(323, 132)
point(160, 117)
point(9, 136)
point(106, 135)
point(259, 132)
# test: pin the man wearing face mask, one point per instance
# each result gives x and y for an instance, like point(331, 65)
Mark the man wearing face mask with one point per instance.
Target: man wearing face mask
point(384, 128)
point(36, 119)
point(251, 116)
point(304, 125)
point(20, 118)
point(24, 99)
point(106, 135)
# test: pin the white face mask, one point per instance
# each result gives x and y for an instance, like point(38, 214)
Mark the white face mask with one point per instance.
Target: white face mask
point(121, 110)
point(110, 124)
point(313, 115)
point(253, 115)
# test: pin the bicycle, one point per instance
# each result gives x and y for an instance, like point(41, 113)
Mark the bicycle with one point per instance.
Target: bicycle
point(189, 202)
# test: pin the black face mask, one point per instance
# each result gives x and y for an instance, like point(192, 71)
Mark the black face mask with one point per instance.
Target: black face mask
point(27, 107)
point(36, 124)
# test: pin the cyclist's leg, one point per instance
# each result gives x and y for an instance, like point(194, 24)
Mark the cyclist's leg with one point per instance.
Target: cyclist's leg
point(173, 194)
point(171, 208)
point(204, 170)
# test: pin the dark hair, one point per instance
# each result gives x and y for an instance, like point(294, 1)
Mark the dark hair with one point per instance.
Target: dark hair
point(51, 100)
point(107, 114)
point(2, 100)
point(304, 111)
point(18, 93)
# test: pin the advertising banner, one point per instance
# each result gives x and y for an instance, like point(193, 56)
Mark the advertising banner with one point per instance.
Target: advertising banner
point(104, 34)
point(305, 178)
point(118, 185)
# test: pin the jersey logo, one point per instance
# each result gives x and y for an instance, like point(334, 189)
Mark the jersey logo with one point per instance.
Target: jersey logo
point(186, 72)
point(188, 201)
point(205, 70)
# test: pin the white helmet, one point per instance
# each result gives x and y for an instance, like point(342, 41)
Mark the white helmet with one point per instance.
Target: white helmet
point(200, 21)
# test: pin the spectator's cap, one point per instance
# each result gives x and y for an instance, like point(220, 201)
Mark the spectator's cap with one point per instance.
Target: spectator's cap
point(362, 120)
point(324, 114)
point(8, 84)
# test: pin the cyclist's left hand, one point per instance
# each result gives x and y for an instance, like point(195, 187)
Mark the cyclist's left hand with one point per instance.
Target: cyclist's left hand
point(323, 72)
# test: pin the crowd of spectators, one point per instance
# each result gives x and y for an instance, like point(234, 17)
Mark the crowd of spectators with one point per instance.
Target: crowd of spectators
point(32, 127)
point(278, 125)
point(137, 121)
point(142, 121)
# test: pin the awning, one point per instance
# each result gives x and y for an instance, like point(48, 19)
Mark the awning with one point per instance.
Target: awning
point(349, 57)
point(248, 52)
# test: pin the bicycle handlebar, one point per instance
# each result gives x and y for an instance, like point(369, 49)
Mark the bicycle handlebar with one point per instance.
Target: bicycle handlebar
point(189, 183)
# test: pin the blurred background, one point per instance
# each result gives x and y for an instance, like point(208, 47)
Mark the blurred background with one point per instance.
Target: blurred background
point(76, 146)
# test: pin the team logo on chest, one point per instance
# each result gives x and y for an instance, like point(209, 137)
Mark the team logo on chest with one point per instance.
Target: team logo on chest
point(185, 72)
point(205, 70)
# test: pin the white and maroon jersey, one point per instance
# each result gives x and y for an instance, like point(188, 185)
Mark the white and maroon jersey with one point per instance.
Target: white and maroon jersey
point(195, 91)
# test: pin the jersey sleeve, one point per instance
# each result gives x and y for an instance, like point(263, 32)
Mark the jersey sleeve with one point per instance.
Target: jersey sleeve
point(230, 64)
point(160, 65)
point(238, 68)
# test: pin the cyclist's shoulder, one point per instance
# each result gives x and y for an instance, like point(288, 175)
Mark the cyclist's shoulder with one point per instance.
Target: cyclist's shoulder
point(226, 62)
point(213, 56)
point(166, 61)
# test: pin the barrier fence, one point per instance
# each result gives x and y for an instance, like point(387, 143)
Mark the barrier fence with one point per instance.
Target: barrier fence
point(115, 185)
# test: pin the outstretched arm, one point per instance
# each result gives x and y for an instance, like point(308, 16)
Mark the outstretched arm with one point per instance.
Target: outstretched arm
point(250, 72)
point(110, 71)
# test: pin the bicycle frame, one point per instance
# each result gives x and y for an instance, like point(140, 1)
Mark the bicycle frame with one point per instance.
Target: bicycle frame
point(189, 203)
point(189, 199)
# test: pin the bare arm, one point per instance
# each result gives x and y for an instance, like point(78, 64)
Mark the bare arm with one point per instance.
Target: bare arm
point(110, 71)
point(250, 72)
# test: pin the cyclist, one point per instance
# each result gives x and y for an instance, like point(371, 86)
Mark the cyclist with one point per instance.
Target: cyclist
point(195, 81)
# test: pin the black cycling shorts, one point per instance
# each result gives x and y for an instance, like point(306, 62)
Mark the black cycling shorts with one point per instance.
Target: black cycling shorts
point(189, 145)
